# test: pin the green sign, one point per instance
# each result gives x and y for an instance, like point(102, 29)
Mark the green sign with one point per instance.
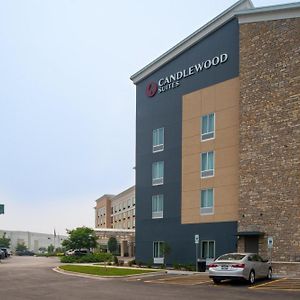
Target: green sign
point(1, 209)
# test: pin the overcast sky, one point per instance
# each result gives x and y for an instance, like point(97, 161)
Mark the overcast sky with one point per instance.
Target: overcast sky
point(67, 114)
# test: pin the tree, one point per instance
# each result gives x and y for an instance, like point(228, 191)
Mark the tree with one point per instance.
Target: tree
point(166, 250)
point(80, 237)
point(21, 247)
point(50, 249)
point(112, 244)
point(4, 241)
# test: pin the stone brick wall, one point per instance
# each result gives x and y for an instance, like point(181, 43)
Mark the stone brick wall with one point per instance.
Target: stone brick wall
point(270, 135)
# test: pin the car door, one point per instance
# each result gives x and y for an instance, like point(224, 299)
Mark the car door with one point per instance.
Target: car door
point(259, 266)
point(264, 267)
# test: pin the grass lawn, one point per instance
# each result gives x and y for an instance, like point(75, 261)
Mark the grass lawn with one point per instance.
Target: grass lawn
point(102, 271)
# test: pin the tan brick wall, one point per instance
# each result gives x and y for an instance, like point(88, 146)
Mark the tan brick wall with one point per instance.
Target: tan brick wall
point(103, 212)
point(223, 100)
point(270, 134)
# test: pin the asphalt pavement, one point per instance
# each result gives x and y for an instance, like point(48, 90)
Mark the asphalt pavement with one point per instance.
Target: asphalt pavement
point(30, 278)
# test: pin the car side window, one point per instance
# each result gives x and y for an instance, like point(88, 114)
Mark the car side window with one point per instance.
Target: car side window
point(256, 257)
point(250, 258)
point(259, 258)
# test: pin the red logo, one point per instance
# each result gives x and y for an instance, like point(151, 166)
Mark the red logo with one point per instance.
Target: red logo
point(151, 89)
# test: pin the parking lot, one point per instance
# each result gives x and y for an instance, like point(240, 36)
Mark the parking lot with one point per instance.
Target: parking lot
point(280, 284)
point(33, 278)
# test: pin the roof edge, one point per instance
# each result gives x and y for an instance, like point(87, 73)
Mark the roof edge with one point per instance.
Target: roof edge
point(188, 42)
point(268, 13)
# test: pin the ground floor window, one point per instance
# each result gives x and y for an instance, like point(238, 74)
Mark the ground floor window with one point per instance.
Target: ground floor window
point(158, 257)
point(208, 249)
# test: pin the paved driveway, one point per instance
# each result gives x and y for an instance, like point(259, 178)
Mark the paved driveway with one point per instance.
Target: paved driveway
point(26, 278)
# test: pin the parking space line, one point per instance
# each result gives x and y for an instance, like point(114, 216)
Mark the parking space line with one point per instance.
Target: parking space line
point(283, 284)
point(267, 283)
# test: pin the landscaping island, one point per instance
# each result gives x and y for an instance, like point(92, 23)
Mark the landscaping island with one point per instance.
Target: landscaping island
point(104, 271)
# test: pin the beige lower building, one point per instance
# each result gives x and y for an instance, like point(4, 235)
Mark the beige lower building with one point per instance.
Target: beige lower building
point(115, 216)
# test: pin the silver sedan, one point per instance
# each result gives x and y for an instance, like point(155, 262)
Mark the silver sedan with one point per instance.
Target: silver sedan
point(248, 266)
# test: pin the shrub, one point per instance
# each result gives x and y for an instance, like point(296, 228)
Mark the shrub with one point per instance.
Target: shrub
point(131, 262)
point(176, 266)
point(89, 258)
point(116, 262)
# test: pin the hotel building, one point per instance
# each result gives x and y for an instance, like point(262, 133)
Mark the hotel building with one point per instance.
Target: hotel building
point(218, 140)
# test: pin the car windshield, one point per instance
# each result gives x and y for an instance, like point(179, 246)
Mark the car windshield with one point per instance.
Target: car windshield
point(231, 257)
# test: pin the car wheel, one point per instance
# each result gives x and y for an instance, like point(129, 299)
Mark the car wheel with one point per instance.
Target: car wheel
point(216, 280)
point(252, 277)
point(270, 273)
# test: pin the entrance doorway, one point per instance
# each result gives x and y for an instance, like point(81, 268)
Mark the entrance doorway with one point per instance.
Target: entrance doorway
point(251, 244)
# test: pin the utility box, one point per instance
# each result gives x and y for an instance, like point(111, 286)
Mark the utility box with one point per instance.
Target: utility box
point(201, 265)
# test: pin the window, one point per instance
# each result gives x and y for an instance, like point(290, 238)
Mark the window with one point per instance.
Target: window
point(207, 249)
point(129, 202)
point(158, 173)
point(207, 201)
point(157, 206)
point(158, 140)
point(207, 164)
point(208, 127)
point(158, 257)
point(133, 200)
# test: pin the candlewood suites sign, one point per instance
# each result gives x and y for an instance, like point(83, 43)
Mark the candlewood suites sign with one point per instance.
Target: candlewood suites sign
point(172, 81)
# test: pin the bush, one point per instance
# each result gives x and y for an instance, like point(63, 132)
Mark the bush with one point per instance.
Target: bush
point(116, 262)
point(89, 258)
point(176, 266)
point(131, 262)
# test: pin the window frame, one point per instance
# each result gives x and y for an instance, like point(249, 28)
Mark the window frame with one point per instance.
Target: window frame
point(208, 241)
point(210, 172)
point(203, 139)
point(158, 259)
point(202, 209)
point(157, 214)
point(158, 147)
point(158, 180)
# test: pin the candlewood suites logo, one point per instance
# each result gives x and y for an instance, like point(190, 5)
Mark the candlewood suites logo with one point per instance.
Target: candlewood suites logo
point(172, 81)
point(151, 89)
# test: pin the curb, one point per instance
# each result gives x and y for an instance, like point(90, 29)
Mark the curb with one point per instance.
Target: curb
point(99, 277)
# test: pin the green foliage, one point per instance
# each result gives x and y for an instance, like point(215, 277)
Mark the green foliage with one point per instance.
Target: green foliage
point(89, 258)
point(21, 247)
point(59, 250)
point(4, 241)
point(112, 244)
point(131, 262)
point(103, 271)
point(50, 249)
point(102, 248)
point(81, 237)
point(166, 249)
point(176, 266)
point(115, 260)
point(184, 267)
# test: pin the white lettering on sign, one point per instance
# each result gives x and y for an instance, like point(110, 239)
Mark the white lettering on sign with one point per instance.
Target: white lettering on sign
point(172, 81)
